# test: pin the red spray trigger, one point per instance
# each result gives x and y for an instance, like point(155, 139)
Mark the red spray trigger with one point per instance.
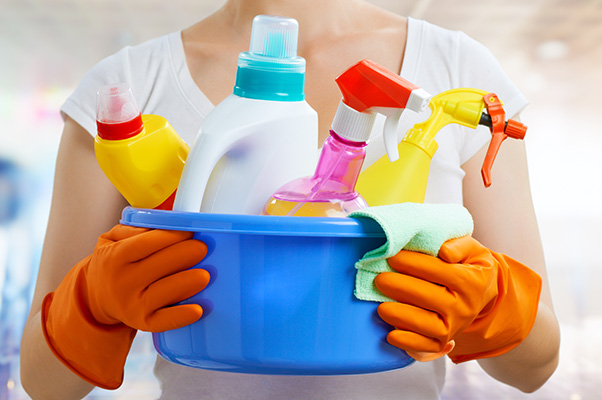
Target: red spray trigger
point(500, 131)
point(366, 85)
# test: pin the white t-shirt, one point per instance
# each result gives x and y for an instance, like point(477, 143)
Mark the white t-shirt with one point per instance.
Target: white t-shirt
point(435, 59)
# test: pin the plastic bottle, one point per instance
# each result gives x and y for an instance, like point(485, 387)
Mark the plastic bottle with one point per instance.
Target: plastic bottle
point(330, 192)
point(141, 155)
point(387, 182)
point(261, 136)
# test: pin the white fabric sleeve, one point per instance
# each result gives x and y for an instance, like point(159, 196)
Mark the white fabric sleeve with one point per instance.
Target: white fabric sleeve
point(478, 68)
point(81, 104)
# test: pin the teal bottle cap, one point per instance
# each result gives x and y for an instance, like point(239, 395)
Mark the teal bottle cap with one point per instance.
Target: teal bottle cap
point(271, 69)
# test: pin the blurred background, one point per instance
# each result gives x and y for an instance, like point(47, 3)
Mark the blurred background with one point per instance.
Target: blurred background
point(552, 49)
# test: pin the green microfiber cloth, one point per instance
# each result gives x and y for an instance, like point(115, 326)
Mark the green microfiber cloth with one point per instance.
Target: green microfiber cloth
point(410, 226)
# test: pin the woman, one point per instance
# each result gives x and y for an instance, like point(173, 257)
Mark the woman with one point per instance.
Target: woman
point(181, 77)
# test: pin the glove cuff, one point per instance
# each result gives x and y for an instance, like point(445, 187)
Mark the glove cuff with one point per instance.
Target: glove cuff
point(510, 320)
point(96, 353)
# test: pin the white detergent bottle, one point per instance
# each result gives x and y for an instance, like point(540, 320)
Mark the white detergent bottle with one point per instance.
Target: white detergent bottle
point(258, 138)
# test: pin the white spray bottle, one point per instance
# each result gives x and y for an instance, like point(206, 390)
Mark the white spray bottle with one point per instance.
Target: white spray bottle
point(261, 136)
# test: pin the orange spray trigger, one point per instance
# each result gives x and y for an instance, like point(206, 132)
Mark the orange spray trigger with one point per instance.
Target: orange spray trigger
point(500, 131)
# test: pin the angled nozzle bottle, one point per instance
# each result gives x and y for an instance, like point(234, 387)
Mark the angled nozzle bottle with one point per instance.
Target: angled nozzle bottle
point(141, 155)
point(405, 180)
point(367, 89)
point(261, 136)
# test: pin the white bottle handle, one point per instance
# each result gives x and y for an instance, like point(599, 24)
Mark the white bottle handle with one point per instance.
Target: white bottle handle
point(202, 159)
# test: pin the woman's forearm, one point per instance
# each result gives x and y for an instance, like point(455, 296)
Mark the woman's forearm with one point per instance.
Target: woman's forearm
point(43, 376)
point(512, 229)
point(81, 193)
point(528, 366)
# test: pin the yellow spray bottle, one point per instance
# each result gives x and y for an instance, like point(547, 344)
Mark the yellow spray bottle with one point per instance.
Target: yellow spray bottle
point(141, 155)
point(404, 179)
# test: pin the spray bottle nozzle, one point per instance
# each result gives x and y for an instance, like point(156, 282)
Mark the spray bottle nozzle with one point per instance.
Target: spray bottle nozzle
point(369, 87)
point(500, 131)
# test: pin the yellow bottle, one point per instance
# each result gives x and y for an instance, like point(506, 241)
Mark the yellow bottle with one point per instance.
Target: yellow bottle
point(142, 155)
point(404, 180)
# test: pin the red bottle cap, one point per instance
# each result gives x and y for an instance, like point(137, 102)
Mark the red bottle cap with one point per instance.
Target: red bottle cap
point(120, 130)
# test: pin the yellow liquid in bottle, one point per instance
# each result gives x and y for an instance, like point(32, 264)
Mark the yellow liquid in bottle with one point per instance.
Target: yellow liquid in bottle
point(303, 209)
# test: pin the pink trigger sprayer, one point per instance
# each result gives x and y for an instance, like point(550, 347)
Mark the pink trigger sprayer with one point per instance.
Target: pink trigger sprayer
point(367, 89)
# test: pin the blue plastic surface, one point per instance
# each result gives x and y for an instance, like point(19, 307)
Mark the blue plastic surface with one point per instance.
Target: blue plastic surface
point(280, 300)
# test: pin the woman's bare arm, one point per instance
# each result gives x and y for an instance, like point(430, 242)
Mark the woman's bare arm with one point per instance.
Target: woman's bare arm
point(505, 222)
point(84, 205)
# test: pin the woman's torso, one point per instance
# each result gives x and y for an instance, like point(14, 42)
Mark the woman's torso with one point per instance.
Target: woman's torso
point(163, 83)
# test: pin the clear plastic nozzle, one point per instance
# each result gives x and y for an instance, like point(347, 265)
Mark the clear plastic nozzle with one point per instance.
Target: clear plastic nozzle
point(115, 103)
point(117, 114)
point(274, 36)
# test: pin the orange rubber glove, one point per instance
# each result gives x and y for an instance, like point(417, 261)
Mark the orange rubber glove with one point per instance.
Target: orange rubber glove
point(484, 301)
point(128, 283)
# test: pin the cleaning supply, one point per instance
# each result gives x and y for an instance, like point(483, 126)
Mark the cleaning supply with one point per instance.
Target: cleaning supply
point(261, 136)
point(411, 226)
point(141, 155)
point(279, 301)
point(330, 192)
point(485, 301)
point(397, 181)
point(130, 282)
point(367, 88)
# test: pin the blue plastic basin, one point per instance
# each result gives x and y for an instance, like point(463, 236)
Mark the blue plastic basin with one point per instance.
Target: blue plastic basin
point(280, 299)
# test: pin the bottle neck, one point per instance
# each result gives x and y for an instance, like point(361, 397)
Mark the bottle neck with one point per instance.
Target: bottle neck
point(120, 130)
point(341, 161)
point(347, 142)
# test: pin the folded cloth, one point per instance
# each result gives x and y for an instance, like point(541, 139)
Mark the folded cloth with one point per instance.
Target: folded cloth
point(410, 226)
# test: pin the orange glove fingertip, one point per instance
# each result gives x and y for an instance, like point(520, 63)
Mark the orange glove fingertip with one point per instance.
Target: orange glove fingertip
point(406, 260)
point(175, 317)
point(190, 252)
point(120, 232)
point(382, 281)
point(425, 356)
point(413, 342)
point(385, 310)
point(457, 250)
point(204, 278)
point(202, 247)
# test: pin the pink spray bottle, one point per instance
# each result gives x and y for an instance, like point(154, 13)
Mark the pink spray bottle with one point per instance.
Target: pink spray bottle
point(367, 89)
